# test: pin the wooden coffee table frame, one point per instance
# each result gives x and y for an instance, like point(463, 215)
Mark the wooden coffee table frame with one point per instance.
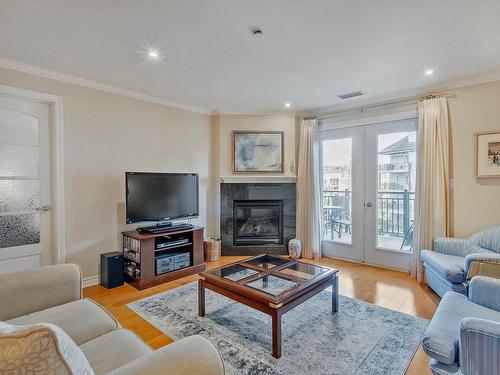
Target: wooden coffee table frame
point(275, 306)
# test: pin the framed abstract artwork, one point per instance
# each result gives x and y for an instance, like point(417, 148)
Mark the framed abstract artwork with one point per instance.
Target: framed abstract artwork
point(488, 154)
point(258, 151)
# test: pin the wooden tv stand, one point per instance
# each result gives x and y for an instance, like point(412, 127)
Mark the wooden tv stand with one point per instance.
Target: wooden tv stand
point(140, 250)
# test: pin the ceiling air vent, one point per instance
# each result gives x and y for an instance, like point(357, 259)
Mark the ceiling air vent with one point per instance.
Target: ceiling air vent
point(350, 95)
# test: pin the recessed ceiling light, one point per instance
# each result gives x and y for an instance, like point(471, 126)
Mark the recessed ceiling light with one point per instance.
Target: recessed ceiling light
point(429, 72)
point(153, 54)
point(288, 105)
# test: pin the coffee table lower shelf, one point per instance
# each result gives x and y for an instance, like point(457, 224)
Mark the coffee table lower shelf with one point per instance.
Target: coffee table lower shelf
point(275, 311)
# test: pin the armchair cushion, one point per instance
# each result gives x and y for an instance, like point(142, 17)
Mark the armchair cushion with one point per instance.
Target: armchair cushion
point(480, 346)
point(40, 348)
point(453, 246)
point(190, 355)
point(485, 291)
point(82, 320)
point(24, 292)
point(449, 266)
point(440, 340)
point(484, 256)
point(113, 350)
point(488, 238)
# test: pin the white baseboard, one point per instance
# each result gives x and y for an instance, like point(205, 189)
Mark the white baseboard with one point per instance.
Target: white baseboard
point(91, 280)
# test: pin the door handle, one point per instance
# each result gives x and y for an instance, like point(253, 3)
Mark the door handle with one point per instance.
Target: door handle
point(43, 208)
point(369, 204)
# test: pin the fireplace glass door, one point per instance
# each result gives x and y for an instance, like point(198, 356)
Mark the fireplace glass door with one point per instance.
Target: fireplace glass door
point(258, 222)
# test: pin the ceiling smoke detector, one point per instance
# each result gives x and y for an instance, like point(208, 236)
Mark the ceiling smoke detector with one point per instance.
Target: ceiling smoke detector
point(350, 95)
point(257, 31)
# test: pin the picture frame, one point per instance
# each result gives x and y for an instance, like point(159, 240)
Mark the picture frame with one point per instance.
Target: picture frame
point(487, 153)
point(258, 152)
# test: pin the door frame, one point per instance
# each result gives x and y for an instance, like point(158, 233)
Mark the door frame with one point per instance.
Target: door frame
point(57, 147)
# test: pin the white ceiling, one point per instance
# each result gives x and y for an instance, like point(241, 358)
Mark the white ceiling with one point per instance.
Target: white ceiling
point(311, 50)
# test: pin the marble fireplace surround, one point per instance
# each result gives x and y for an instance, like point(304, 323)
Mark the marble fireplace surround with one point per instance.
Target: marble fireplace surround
point(230, 192)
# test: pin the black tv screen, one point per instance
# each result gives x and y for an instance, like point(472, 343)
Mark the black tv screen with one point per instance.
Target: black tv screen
point(161, 196)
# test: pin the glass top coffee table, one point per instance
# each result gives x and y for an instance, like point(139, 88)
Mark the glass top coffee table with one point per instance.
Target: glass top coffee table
point(269, 284)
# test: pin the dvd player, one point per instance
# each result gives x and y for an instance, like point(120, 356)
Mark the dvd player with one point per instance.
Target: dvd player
point(166, 245)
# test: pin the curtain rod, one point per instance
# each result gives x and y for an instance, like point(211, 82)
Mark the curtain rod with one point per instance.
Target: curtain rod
point(361, 109)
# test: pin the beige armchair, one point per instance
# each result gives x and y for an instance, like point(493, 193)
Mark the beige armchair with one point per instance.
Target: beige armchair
point(53, 295)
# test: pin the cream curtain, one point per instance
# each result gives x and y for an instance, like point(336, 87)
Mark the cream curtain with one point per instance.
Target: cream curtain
point(432, 200)
point(308, 197)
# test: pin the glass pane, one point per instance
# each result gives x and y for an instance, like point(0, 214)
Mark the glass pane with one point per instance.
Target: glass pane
point(337, 186)
point(19, 195)
point(303, 270)
point(18, 161)
point(272, 285)
point(17, 127)
point(257, 221)
point(17, 230)
point(235, 272)
point(396, 190)
point(268, 261)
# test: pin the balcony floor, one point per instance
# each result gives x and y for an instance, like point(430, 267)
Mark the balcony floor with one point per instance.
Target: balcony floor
point(384, 241)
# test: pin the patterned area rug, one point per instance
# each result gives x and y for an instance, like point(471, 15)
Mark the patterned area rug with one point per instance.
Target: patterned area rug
point(360, 339)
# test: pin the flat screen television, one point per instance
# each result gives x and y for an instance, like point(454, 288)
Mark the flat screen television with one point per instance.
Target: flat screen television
point(161, 196)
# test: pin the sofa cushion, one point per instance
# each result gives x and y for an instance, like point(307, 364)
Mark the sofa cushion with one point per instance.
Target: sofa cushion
point(440, 340)
point(450, 266)
point(113, 350)
point(82, 320)
point(440, 284)
point(40, 349)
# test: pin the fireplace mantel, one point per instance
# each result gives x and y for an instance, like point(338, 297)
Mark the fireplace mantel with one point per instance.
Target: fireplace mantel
point(247, 179)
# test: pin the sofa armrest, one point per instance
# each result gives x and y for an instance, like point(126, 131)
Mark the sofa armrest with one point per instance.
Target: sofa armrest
point(485, 291)
point(25, 292)
point(486, 257)
point(479, 343)
point(191, 355)
point(453, 246)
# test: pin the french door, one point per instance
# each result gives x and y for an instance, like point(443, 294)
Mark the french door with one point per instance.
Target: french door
point(368, 176)
point(25, 185)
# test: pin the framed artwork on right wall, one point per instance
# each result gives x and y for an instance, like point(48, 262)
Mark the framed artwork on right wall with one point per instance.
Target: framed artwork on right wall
point(488, 154)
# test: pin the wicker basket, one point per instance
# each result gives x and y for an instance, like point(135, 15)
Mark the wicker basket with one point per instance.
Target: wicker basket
point(212, 249)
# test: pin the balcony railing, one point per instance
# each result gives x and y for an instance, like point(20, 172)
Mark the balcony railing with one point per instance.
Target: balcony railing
point(394, 209)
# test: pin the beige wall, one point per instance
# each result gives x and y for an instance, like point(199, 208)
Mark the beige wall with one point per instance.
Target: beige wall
point(106, 135)
point(228, 123)
point(475, 202)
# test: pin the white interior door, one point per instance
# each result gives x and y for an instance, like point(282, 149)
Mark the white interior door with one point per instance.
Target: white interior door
point(368, 184)
point(25, 185)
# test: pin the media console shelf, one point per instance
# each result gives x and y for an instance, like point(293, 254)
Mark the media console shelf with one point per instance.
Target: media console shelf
point(179, 248)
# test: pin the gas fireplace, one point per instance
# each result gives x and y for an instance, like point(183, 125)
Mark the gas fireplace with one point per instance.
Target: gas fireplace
point(257, 222)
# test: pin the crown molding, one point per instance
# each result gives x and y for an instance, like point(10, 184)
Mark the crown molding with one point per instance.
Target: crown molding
point(67, 78)
point(230, 112)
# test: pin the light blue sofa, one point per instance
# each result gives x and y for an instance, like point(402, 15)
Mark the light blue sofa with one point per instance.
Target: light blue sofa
point(446, 267)
point(463, 337)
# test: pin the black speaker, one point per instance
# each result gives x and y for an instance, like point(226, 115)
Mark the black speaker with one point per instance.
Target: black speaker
point(112, 269)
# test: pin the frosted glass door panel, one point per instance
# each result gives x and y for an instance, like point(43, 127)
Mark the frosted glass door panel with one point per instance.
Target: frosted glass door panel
point(18, 230)
point(19, 195)
point(18, 128)
point(19, 160)
point(19, 179)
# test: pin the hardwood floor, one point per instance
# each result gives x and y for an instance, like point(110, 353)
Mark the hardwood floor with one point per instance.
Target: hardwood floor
point(392, 289)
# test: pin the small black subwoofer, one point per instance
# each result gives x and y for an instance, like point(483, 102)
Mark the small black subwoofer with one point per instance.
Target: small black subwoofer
point(112, 269)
